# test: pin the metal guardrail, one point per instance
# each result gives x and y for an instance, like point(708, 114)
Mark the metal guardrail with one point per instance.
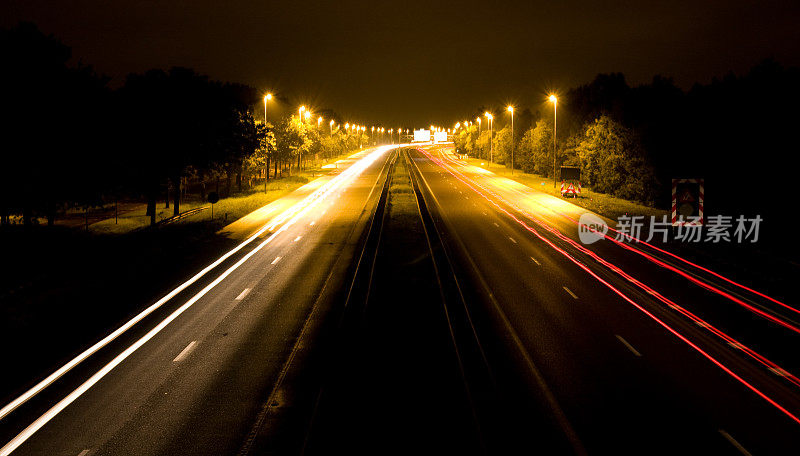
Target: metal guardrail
point(183, 215)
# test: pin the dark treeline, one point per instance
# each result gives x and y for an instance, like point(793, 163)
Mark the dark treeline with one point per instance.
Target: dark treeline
point(736, 132)
point(69, 141)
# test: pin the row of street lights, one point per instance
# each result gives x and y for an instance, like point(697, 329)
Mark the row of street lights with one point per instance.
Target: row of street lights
point(490, 119)
point(304, 113)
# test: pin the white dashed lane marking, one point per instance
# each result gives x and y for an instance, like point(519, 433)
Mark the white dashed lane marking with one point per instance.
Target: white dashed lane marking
point(298, 238)
point(629, 346)
point(242, 295)
point(185, 353)
point(733, 442)
point(277, 259)
point(570, 292)
point(512, 239)
point(535, 261)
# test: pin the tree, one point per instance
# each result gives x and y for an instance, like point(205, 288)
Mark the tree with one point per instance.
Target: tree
point(613, 162)
point(259, 159)
point(535, 150)
point(54, 160)
point(502, 146)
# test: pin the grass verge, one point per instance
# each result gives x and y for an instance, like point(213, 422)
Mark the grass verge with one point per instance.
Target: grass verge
point(600, 203)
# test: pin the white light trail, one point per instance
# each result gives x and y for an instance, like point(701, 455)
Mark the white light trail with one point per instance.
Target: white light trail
point(292, 214)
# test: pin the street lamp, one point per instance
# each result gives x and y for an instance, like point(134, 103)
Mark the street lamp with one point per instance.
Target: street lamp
point(511, 110)
point(479, 125)
point(489, 117)
point(554, 100)
point(267, 97)
point(331, 125)
point(319, 121)
point(308, 115)
point(300, 113)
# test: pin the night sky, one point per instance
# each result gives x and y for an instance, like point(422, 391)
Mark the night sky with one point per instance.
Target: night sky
point(419, 62)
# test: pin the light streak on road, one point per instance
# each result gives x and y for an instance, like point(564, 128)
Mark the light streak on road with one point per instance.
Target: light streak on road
point(671, 304)
point(695, 280)
point(608, 285)
point(290, 216)
point(670, 254)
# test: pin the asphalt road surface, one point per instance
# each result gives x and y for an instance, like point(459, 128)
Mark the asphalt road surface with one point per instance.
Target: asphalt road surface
point(476, 323)
point(197, 386)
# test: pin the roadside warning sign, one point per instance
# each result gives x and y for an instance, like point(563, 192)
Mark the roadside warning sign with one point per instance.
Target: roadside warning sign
point(687, 202)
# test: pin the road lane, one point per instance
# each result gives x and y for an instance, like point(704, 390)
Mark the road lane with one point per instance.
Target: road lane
point(604, 389)
point(239, 347)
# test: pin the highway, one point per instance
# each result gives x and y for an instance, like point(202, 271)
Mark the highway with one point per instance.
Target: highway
point(414, 303)
point(602, 326)
point(197, 385)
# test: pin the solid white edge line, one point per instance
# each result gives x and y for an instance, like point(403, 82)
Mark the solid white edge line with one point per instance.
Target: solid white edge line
point(185, 352)
point(329, 187)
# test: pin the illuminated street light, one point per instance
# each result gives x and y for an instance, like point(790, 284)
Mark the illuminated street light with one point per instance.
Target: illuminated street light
point(489, 117)
point(308, 114)
point(479, 125)
point(267, 97)
point(331, 126)
point(553, 99)
point(511, 110)
point(300, 113)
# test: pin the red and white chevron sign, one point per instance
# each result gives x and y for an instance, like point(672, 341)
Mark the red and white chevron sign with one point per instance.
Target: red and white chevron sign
point(687, 202)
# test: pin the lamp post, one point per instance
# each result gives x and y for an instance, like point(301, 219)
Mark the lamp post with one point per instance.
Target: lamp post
point(331, 127)
point(300, 113)
point(267, 97)
point(554, 100)
point(489, 117)
point(511, 110)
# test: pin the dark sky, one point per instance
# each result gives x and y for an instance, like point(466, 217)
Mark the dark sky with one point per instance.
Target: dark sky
point(420, 62)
